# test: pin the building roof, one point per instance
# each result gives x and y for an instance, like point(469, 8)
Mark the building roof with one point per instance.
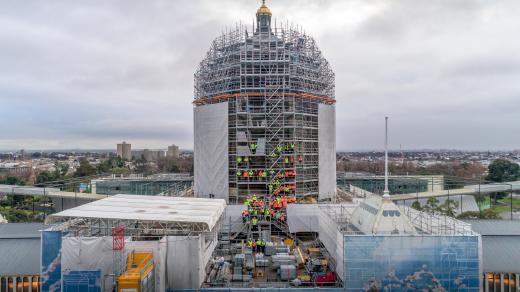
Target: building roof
point(501, 254)
point(20, 248)
point(21, 230)
point(149, 208)
point(500, 242)
point(19, 256)
point(495, 227)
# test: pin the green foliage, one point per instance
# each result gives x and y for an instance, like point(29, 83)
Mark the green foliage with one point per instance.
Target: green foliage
point(84, 169)
point(485, 214)
point(119, 170)
point(15, 215)
point(19, 209)
point(432, 206)
point(417, 206)
point(47, 176)
point(448, 208)
point(111, 164)
point(12, 180)
point(501, 170)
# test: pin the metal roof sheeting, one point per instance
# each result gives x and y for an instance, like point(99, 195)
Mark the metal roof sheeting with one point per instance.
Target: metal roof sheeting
point(149, 208)
point(500, 244)
point(21, 230)
point(495, 227)
point(501, 254)
point(20, 256)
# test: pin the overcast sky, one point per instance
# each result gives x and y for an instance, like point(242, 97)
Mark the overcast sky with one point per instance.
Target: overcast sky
point(88, 74)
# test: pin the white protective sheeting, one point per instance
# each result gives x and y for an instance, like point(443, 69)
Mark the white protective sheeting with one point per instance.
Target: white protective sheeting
point(185, 259)
point(233, 213)
point(211, 151)
point(150, 208)
point(303, 218)
point(89, 254)
point(331, 236)
point(159, 258)
point(327, 151)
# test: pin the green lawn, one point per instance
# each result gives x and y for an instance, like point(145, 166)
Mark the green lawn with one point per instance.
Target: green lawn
point(506, 207)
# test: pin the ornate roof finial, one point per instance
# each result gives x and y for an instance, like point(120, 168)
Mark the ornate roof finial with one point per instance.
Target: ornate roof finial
point(263, 10)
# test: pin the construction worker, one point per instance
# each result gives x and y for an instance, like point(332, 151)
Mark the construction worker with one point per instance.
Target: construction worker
point(245, 215)
point(263, 245)
point(259, 245)
point(267, 213)
point(254, 222)
point(249, 243)
point(253, 244)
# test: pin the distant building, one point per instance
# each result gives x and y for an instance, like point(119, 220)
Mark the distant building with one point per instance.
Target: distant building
point(22, 154)
point(171, 183)
point(173, 151)
point(124, 150)
point(148, 155)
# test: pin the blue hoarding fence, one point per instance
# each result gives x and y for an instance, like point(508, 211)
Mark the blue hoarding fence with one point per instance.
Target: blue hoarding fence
point(82, 281)
point(51, 261)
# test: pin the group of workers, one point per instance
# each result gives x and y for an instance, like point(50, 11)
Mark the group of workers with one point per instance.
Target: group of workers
point(257, 209)
point(253, 214)
point(252, 173)
point(256, 245)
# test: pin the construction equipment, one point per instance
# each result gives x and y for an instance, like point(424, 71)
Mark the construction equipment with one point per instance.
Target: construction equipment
point(139, 275)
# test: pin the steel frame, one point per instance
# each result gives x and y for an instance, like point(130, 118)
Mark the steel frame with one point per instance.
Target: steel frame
point(80, 226)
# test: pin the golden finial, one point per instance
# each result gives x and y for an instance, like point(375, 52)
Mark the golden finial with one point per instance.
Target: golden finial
point(263, 10)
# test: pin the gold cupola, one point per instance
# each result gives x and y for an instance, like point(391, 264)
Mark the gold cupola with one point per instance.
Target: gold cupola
point(263, 10)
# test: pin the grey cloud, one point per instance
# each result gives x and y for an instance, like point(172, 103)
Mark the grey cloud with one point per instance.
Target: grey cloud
point(88, 74)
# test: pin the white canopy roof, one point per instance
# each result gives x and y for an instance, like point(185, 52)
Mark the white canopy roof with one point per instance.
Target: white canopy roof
point(149, 208)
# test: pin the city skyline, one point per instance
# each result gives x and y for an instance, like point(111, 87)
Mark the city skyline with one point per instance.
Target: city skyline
point(86, 76)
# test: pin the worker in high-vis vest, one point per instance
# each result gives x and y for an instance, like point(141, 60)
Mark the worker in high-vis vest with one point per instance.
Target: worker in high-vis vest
point(259, 245)
point(249, 243)
point(267, 214)
point(254, 245)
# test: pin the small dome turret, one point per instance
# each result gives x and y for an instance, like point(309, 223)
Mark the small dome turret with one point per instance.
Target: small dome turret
point(263, 10)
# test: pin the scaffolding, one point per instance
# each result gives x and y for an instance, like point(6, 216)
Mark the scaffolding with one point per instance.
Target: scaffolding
point(273, 79)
